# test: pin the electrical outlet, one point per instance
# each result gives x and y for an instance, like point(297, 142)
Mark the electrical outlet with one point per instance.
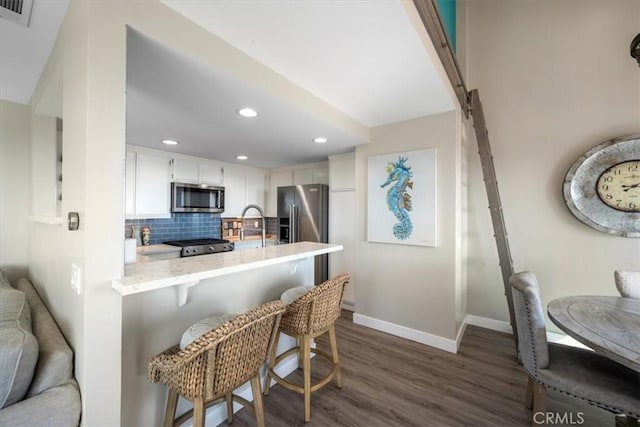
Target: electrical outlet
point(76, 279)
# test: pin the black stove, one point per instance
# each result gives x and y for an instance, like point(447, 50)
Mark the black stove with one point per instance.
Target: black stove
point(193, 247)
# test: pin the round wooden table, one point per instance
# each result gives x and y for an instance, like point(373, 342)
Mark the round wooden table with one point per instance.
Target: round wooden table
point(608, 325)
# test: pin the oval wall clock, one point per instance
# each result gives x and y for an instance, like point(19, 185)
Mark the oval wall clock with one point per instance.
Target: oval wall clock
point(602, 187)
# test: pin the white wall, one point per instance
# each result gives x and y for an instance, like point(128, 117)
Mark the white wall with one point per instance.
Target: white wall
point(556, 79)
point(14, 188)
point(413, 286)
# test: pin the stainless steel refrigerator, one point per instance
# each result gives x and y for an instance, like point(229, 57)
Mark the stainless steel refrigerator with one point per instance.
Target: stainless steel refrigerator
point(303, 216)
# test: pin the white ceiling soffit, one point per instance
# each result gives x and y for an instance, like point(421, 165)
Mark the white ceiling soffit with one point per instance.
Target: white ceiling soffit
point(363, 57)
point(24, 50)
point(171, 95)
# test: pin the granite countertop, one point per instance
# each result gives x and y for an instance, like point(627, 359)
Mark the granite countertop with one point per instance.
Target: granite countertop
point(147, 276)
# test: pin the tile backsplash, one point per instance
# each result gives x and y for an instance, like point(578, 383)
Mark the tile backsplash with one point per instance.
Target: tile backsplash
point(191, 226)
point(231, 227)
point(179, 226)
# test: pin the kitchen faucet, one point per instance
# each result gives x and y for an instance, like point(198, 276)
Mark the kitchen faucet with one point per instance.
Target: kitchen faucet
point(264, 231)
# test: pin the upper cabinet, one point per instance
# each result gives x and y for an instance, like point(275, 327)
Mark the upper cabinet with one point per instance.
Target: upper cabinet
point(342, 172)
point(211, 172)
point(256, 187)
point(147, 184)
point(185, 170)
point(197, 171)
point(277, 179)
point(235, 192)
point(243, 186)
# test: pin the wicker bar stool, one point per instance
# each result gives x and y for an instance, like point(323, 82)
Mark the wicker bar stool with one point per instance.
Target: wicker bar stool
point(310, 313)
point(210, 367)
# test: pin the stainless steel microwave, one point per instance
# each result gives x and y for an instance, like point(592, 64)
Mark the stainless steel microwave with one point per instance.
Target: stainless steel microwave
point(196, 198)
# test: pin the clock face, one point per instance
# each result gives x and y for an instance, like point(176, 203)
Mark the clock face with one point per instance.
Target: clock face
point(619, 186)
point(602, 187)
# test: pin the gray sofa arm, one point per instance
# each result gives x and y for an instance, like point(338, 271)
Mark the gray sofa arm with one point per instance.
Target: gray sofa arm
point(56, 407)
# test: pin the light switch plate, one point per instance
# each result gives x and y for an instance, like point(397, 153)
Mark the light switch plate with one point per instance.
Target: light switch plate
point(76, 279)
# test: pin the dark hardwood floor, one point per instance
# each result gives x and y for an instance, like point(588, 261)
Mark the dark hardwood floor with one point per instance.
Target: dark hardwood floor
point(390, 381)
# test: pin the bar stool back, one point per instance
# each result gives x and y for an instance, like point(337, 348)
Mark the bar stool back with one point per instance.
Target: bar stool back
point(308, 316)
point(209, 368)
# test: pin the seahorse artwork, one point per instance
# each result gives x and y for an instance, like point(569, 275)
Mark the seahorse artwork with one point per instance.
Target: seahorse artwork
point(398, 199)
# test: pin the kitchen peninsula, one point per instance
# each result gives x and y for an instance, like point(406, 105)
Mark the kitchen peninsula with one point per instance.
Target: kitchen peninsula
point(161, 299)
point(142, 277)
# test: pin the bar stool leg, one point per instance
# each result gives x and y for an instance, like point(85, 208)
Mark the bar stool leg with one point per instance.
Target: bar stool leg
point(257, 400)
point(198, 412)
point(272, 363)
point(334, 354)
point(306, 368)
point(170, 413)
point(229, 399)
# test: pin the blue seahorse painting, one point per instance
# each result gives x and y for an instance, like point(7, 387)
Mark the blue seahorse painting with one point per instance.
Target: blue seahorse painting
point(398, 199)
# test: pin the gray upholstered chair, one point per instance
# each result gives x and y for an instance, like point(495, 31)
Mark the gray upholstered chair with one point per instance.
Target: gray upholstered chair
point(628, 283)
point(580, 373)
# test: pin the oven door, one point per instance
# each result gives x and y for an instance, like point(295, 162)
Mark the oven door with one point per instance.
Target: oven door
point(196, 198)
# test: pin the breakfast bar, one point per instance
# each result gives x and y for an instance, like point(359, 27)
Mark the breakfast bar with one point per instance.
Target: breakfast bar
point(161, 299)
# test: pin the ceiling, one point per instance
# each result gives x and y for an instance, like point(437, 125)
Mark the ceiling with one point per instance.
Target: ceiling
point(24, 50)
point(362, 57)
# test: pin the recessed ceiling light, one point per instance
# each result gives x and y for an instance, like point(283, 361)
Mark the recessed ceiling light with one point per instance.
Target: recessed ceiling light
point(241, 157)
point(170, 141)
point(247, 112)
point(320, 140)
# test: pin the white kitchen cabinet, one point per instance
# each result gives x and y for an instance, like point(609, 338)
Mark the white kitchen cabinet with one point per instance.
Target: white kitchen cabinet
point(277, 179)
point(196, 171)
point(210, 172)
point(320, 175)
point(235, 190)
point(148, 196)
point(342, 172)
point(243, 186)
point(311, 175)
point(302, 176)
point(256, 188)
point(185, 170)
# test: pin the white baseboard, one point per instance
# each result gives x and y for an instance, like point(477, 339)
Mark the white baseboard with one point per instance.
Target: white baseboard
point(460, 334)
point(348, 305)
point(405, 332)
point(501, 326)
point(485, 322)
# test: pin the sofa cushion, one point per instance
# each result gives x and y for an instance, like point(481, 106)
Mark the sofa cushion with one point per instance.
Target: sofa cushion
point(18, 347)
point(4, 281)
point(55, 362)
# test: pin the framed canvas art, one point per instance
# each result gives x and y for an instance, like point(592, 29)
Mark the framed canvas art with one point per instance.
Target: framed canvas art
point(401, 204)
